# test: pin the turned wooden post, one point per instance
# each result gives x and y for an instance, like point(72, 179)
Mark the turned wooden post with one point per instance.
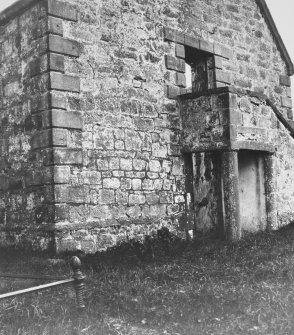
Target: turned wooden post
point(79, 278)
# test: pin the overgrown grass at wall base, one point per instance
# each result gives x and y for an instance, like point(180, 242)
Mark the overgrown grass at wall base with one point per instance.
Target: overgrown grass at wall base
point(204, 288)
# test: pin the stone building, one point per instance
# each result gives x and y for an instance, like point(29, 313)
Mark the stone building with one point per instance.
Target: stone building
point(119, 117)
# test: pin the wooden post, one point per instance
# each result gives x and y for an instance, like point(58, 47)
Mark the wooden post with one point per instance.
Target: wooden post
point(230, 178)
point(270, 192)
point(78, 281)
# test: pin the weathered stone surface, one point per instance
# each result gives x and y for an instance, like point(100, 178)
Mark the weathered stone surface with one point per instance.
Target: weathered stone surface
point(180, 51)
point(62, 9)
point(49, 138)
point(46, 63)
point(47, 101)
point(64, 46)
point(175, 64)
point(285, 80)
point(55, 26)
point(180, 79)
point(62, 119)
point(286, 102)
point(63, 82)
point(92, 129)
point(56, 63)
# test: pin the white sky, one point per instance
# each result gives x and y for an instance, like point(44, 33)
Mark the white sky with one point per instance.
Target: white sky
point(281, 10)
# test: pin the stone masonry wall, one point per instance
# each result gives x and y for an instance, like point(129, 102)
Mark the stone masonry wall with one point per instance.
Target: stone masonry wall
point(36, 135)
point(105, 146)
point(21, 204)
point(205, 122)
point(132, 179)
point(259, 124)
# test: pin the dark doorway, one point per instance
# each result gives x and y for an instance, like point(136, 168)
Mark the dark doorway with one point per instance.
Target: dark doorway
point(207, 193)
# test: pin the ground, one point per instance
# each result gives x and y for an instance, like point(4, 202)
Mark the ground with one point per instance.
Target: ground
point(201, 287)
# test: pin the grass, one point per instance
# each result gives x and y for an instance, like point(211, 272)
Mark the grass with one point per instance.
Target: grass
point(206, 287)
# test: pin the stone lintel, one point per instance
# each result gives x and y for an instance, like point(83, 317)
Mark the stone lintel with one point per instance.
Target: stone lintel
point(252, 145)
point(206, 46)
point(192, 42)
point(204, 147)
point(173, 35)
point(197, 43)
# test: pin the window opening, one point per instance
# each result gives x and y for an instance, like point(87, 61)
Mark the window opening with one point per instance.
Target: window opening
point(188, 71)
point(197, 65)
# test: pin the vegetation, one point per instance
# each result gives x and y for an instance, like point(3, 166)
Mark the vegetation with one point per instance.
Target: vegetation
point(164, 287)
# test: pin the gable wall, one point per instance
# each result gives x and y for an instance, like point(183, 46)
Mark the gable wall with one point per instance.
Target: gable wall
point(123, 163)
point(132, 164)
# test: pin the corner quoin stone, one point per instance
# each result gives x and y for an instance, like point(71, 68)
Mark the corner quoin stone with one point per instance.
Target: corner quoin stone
point(64, 46)
point(55, 26)
point(63, 82)
point(62, 10)
point(57, 118)
point(285, 81)
point(48, 138)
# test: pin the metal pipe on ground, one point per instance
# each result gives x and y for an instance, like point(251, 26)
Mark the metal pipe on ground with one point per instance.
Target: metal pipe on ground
point(77, 280)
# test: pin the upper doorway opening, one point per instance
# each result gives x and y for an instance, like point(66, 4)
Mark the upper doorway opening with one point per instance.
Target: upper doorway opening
point(197, 69)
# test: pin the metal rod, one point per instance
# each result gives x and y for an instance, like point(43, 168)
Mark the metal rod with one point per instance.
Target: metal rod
point(36, 288)
point(11, 275)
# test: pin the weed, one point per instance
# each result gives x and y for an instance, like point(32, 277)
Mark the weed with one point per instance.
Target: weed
point(167, 286)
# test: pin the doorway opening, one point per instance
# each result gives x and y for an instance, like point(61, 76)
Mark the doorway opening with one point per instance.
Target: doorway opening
point(207, 193)
point(253, 216)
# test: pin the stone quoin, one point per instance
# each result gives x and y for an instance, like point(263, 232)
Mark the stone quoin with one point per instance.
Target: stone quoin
point(120, 117)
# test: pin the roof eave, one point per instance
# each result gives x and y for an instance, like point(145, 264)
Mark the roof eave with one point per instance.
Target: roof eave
point(277, 37)
point(15, 9)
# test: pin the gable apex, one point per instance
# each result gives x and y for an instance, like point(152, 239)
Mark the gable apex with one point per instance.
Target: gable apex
point(277, 37)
